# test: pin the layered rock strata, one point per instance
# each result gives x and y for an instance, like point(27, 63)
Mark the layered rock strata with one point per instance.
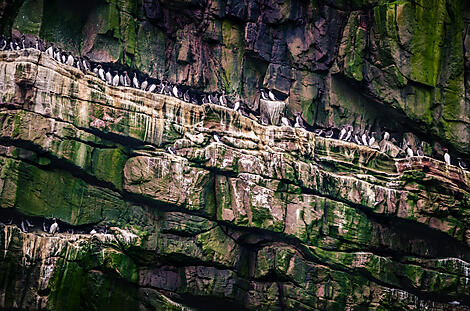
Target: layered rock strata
point(270, 218)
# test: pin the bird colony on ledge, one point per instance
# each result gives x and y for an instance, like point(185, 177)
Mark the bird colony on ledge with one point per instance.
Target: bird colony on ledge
point(346, 133)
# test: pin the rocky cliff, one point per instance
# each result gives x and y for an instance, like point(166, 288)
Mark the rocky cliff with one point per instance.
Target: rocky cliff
point(270, 218)
point(396, 64)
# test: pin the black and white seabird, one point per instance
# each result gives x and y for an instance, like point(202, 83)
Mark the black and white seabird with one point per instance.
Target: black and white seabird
point(152, 87)
point(175, 91)
point(264, 95)
point(101, 73)
point(329, 133)
point(70, 60)
point(127, 79)
point(342, 133)
point(462, 164)
point(420, 152)
point(365, 138)
point(223, 100)
point(205, 100)
point(28, 223)
point(285, 121)
point(54, 227)
point(217, 138)
point(318, 132)
point(350, 130)
point(37, 44)
point(372, 139)
point(64, 58)
point(357, 139)
point(386, 136)
point(50, 50)
point(24, 228)
point(186, 96)
point(109, 77)
point(23, 42)
point(263, 120)
point(299, 122)
point(213, 99)
point(144, 85)
point(86, 65)
point(236, 107)
point(272, 96)
point(58, 55)
point(3, 43)
point(135, 81)
point(116, 78)
point(409, 151)
point(171, 150)
point(44, 228)
point(446, 156)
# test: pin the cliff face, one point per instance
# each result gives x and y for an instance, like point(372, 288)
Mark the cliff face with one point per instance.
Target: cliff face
point(395, 64)
point(270, 218)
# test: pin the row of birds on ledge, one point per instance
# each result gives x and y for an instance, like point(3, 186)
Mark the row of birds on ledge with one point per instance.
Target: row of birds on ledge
point(346, 133)
point(32, 224)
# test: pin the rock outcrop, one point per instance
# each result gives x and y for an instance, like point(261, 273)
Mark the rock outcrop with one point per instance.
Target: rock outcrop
point(270, 218)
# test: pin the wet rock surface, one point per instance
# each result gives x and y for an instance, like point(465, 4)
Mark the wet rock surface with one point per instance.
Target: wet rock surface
point(270, 218)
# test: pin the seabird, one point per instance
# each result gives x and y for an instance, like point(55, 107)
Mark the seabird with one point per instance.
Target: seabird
point(121, 79)
point(116, 78)
point(454, 303)
point(44, 228)
point(64, 58)
point(171, 150)
point(356, 139)
point(144, 84)
point(50, 50)
point(285, 121)
point(28, 223)
point(135, 81)
point(222, 100)
point(78, 64)
point(205, 100)
point(86, 65)
point(23, 227)
point(299, 122)
point(365, 138)
point(271, 96)
point(127, 79)
point(109, 77)
point(186, 96)
point(349, 134)
point(409, 151)
point(318, 132)
point(329, 133)
point(54, 227)
point(420, 152)
point(95, 70)
point(386, 136)
point(446, 156)
point(13, 44)
point(372, 139)
point(213, 99)
point(343, 133)
point(10, 221)
point(58, 55)
point(93, 231)
point(3, 43)
point(237, 106)
point(462, 164)
point(217, 138)
point(263, 120)
point(264, 95)
point(152, 87)
point(70, 60)
point(175, 91)
point(22, 42)
point(101, 73)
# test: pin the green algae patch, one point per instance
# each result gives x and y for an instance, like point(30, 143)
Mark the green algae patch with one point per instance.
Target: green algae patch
point(108, 165)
